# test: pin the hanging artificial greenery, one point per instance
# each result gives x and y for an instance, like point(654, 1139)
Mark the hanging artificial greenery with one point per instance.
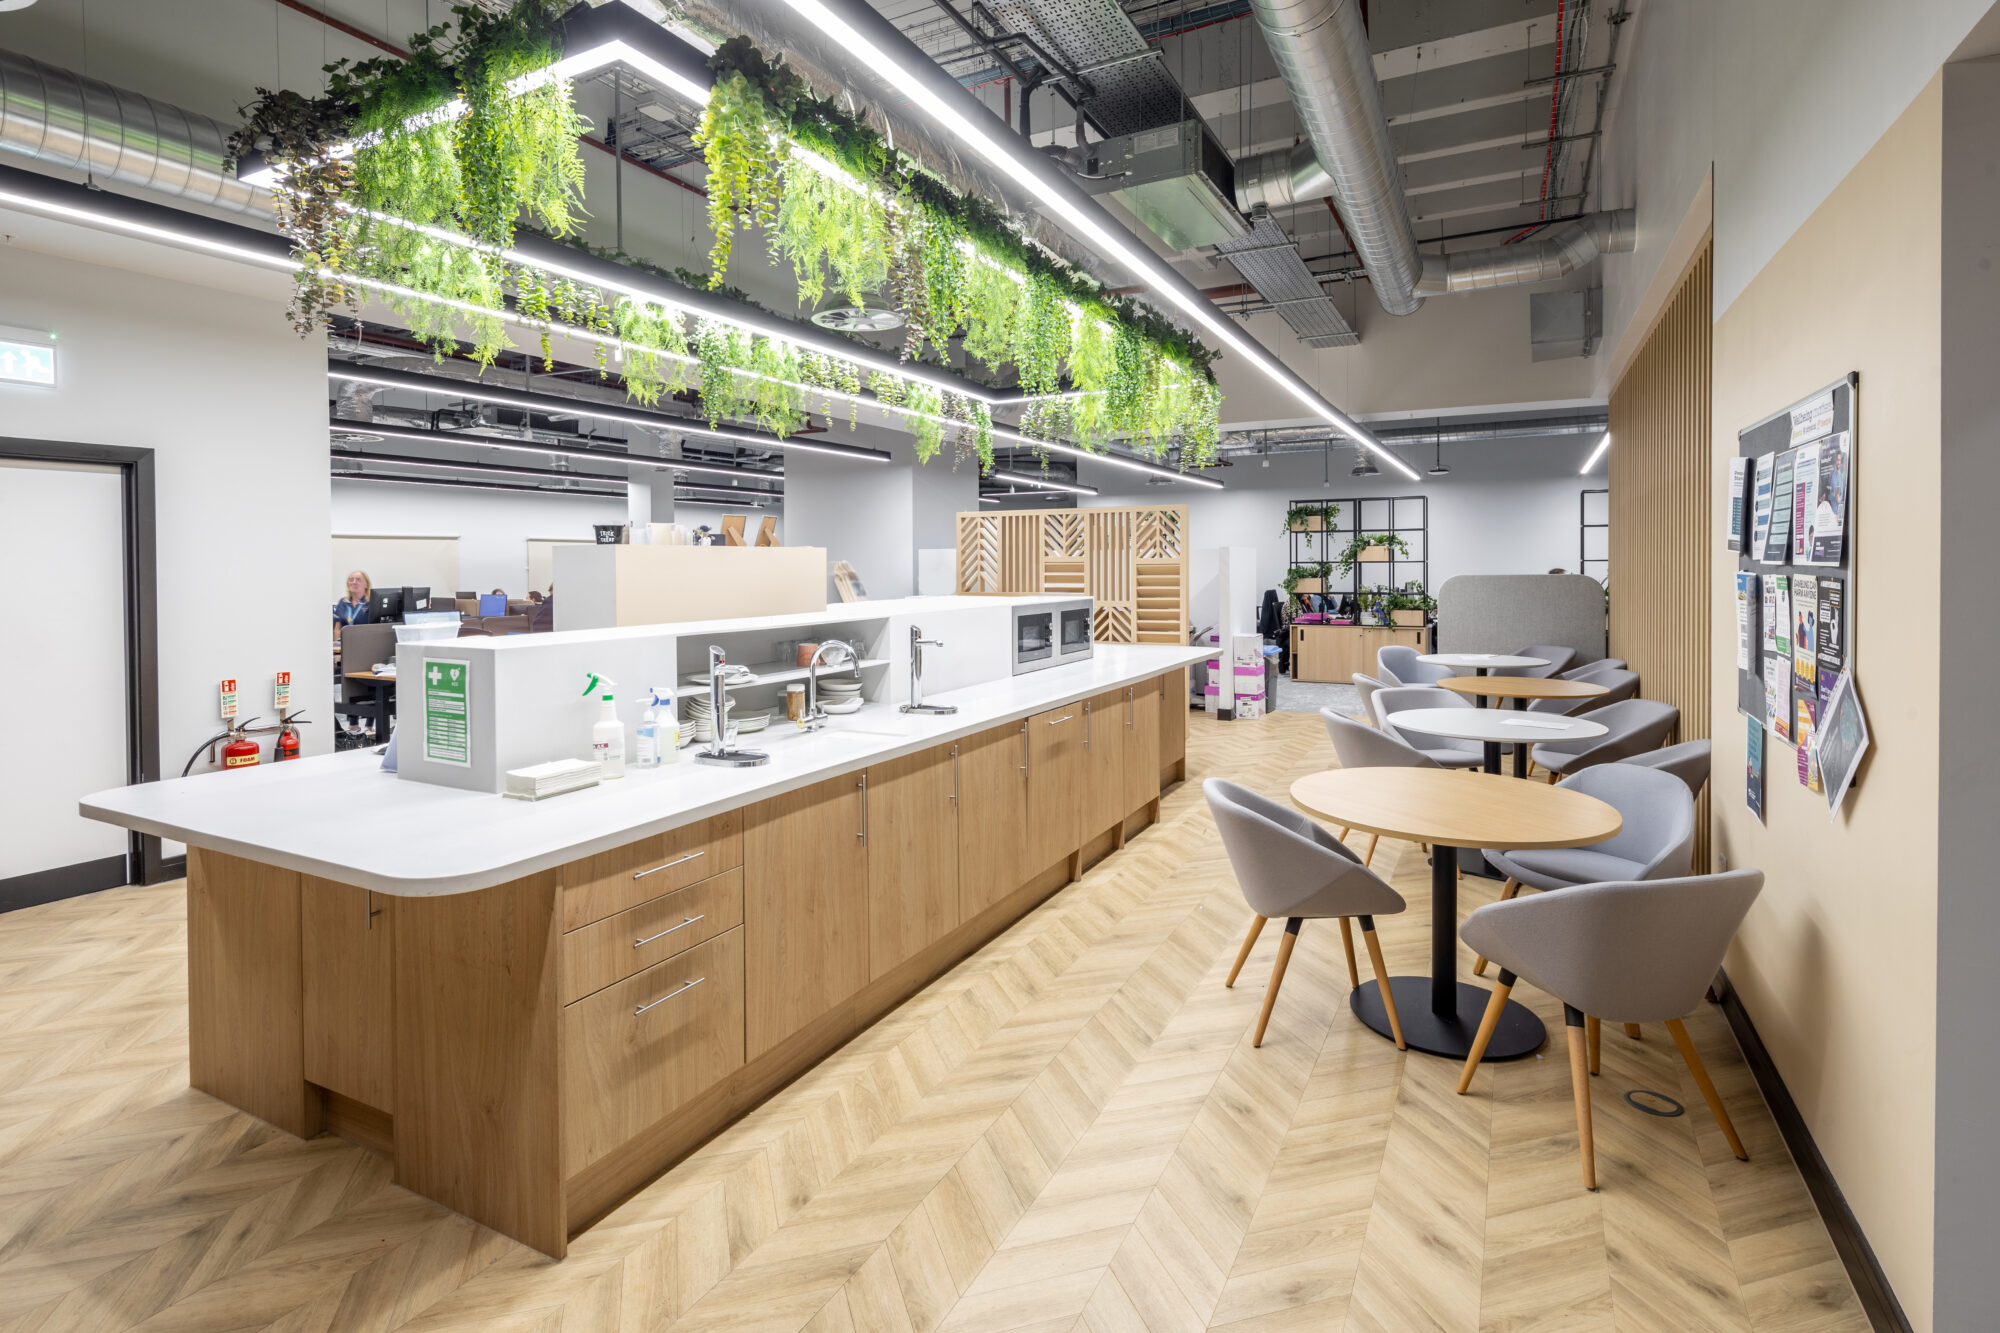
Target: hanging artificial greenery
point(845, 209)
point(297, 134)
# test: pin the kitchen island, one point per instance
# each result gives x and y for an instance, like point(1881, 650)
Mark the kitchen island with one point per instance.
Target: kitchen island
point(533, 1009)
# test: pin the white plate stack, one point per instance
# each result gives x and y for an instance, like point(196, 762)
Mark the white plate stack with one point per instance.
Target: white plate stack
point(840, 696)
point(701, 717)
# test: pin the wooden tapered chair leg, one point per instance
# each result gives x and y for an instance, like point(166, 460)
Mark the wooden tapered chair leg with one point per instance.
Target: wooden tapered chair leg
point(1347, 943)
point(1632, 1031)
point(1242, 954)
point(1512, 887)
point(1708, 1092)
point(1552, 782)
point(1368, 858)
point(1595, 1031)
point(1344, 831)
point(1487, 1022)
point(1382, 980)
point(1277, 977)
point(1579, 1087)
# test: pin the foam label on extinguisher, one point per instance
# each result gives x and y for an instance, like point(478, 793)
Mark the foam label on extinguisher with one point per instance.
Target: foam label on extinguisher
point(228, 701)
point(281, 692)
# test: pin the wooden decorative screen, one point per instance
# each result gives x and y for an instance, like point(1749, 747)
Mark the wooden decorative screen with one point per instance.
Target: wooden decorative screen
point(1133, 561)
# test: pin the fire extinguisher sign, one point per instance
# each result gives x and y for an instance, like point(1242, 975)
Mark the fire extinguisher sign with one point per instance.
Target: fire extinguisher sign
point(228, 701)
point(447, 717)
point(281, 693)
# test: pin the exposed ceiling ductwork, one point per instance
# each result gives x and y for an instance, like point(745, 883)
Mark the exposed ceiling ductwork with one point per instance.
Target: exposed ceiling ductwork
point(62, 119)
point(1556, 253)
point(1312, 439)
point(1322, 53)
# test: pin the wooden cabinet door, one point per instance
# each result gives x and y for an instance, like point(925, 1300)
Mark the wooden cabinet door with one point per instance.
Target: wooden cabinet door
point(1142, 743)
point(912, 823)
point(805, 906)
point(1103, 762)
point(992, 816)
point(1055, 786)
point(346, 969)
point(1173, 721)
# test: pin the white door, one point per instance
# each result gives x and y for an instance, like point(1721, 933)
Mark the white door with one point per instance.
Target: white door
point(62, 541)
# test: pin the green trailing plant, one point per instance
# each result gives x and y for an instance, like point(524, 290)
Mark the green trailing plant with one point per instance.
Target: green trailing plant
point(1362, 541)
point(1298, 516)
point(298, 134)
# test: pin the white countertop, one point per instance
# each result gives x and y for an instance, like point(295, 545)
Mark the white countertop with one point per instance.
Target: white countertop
point(340, 817)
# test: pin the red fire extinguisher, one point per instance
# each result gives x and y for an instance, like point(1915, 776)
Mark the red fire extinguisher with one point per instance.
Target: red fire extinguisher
point(287, 745)
point(241, 751)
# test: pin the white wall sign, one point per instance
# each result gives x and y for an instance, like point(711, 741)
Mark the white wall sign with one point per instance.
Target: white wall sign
point(27, 357)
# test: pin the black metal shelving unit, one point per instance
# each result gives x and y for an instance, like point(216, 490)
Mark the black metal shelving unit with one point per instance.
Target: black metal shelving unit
point(1597, 566)
point(1405, 516)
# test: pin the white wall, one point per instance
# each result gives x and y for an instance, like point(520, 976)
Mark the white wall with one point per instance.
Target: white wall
point(1508, 507)
point(877, 515)
point(232, 402)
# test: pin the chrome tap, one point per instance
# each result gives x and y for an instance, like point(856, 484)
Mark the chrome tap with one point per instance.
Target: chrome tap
point(718, 751)
point(833, 653)
point(916, 704)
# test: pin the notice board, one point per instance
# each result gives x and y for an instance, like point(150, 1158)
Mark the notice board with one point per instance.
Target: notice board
point(1809, 444)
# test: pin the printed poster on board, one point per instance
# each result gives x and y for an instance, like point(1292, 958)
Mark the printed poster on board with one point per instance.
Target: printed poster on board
point(1803, 726)
point(1739, 493)
point(1770, 634)
point(1778, 542)
point(1805, 634)
point(1760, 518)
point(1781, 611)
point(1805, 481)
point(1746, 619)
point(1812, 418)
point(1753, 768)
point(1829, 544)
point(1831, 651)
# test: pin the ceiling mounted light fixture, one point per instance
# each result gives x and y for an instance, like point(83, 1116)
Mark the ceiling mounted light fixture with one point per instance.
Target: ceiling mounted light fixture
point(525, 444)
point(879, 47)
point(1595, 454)
point(1438, 469)
point(1157, 471)
point(1026, 479)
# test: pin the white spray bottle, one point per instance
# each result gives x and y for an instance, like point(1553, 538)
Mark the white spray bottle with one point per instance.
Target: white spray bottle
point(607, 734)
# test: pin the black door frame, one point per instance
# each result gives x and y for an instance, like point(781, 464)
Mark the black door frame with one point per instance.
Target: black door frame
point(144, 861)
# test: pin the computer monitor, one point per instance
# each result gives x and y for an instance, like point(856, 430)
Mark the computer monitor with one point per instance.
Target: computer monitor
point(385, 605)
point(415, 599)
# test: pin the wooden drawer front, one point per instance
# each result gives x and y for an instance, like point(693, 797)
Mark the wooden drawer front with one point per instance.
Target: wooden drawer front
point(623, 1068)
point(616, 947)
point(639, 872)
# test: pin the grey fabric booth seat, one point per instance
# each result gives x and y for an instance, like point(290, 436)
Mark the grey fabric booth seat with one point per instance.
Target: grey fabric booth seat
point(1365, 686)
point(1557, 655)
point(1288, 866)
point(1687, 761)
point(1398, 665)
point(1444, 751)
point(1618, 685)
point(1655, 842)
point(1601, 664)
point(1634, 727)
point(1628, 952)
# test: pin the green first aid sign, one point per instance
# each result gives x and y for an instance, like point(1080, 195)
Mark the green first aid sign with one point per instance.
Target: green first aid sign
point(447, 718)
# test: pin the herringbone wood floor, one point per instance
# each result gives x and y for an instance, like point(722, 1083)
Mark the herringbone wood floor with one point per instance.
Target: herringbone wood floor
point(1070, 1131)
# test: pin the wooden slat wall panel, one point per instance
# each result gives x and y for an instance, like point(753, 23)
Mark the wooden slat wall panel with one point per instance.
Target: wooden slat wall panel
point(1660, 462)
point(1134, 561)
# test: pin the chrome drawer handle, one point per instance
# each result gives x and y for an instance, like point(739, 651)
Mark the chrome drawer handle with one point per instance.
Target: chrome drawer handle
point(668, 996)
point(1056, 722)
point(669, 865)
point(640, 944)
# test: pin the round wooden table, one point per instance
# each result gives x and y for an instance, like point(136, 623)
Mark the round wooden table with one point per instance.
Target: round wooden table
point(1521, 689)
point(1450, 810)
point(1481, 663)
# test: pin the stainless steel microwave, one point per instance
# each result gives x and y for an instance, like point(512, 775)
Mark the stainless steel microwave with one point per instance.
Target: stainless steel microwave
point(1051, 633)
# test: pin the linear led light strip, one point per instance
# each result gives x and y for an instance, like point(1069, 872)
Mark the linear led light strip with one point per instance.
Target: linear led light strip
point(465, 483)
point(526, 446)
point(1595, 454)
point(463, 465)
point(1146, 266)
point(1023, 479)
point(1117, 460)
point(584, 408)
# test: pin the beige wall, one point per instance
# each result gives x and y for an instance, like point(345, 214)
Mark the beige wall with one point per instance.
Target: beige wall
point(1837, 961)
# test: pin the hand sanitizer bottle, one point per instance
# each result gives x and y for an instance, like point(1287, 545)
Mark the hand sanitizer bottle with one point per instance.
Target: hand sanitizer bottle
point(647, 754)
point(607, 734)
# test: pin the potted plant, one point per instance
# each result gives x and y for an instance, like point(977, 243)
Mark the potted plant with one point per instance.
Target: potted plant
point(1304, 578)
point(1409, 610)
point(1371, 547)
point(1311, 518)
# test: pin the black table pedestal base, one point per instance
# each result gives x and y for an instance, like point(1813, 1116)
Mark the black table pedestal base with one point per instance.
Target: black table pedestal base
point(1520, 1033)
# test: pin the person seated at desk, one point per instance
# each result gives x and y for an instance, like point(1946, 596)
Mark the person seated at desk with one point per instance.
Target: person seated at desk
point(353, 608)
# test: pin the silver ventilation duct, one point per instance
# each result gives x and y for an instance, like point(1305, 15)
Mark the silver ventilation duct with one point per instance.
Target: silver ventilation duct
point(62, 119)
point(1304, 439)
point(1322, 52)
point(1556, 253)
